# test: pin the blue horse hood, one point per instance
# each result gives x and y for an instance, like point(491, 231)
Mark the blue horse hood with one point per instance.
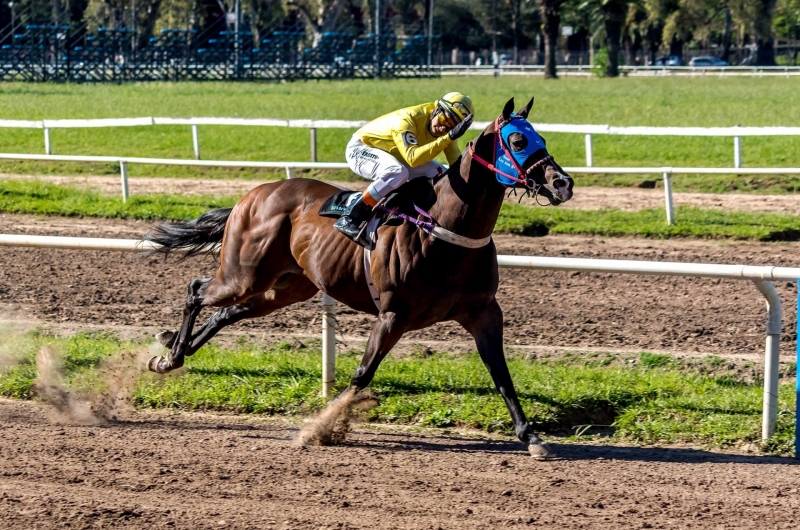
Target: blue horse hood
point(517, 124)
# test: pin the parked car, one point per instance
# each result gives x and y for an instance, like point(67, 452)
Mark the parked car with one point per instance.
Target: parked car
point(669, 60)
point(707, 60)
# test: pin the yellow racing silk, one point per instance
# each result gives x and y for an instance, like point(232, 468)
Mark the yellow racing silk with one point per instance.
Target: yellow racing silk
point(405, 134)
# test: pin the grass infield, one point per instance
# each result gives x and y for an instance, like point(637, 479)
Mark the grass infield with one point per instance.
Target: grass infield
point(643, 398)
point(43, 198)
point(625, 102)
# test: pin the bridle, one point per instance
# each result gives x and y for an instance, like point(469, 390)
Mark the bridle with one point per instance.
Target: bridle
point(523, 175)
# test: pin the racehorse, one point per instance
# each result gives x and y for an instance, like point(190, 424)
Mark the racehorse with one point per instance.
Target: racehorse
point(275, 250)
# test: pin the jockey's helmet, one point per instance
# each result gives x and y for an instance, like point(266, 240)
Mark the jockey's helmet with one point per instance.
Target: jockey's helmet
point(454, 106)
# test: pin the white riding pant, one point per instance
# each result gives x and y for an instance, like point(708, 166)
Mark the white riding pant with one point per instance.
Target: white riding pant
point(385, 171)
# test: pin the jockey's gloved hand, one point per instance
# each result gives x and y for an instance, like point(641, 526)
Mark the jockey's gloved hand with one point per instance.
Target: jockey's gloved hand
point(458, 131)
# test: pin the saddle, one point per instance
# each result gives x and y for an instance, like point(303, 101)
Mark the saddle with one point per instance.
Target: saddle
point(418, 192)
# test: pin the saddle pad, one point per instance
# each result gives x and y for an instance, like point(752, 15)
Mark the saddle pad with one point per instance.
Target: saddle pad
point(337, 204)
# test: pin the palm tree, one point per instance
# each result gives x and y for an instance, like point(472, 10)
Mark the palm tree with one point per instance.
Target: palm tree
point(612, 15)
point(551, 16)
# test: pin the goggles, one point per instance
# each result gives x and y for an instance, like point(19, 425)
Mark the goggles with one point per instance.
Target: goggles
point(448, 113)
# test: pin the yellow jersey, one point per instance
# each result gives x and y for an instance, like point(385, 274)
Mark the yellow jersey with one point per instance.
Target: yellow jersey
point(405, 134)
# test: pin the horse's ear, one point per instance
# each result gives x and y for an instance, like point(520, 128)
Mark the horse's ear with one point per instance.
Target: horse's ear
point(508, 109)
point(526, 109)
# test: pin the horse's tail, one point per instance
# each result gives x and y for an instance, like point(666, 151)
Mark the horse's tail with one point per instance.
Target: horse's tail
point(198, 236)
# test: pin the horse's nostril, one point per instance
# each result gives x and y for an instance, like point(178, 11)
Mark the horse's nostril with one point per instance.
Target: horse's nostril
point(559, 183)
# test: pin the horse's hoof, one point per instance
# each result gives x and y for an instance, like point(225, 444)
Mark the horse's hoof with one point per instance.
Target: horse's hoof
point(153, 365)
point(167, 338)
point(542, 451)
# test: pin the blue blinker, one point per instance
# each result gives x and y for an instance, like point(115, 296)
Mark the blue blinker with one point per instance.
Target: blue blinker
point(520, 125)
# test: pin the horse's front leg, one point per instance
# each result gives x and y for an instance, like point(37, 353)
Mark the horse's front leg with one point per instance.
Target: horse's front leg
point(388, 329)
point(487, 328)
point(194, 303)
point(385, 333)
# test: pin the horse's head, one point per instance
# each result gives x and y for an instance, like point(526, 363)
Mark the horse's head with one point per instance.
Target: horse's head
point(521, 158)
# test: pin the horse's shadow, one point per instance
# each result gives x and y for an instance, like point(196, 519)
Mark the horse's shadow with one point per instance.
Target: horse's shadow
point(569, 451)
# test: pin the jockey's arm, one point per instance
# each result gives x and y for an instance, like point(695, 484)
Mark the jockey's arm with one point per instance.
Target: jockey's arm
point(416, 155)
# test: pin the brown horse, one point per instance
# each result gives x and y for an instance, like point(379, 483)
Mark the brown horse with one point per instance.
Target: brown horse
point(276, 251)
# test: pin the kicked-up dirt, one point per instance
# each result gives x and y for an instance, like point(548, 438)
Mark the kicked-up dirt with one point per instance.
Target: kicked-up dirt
point(201, 471)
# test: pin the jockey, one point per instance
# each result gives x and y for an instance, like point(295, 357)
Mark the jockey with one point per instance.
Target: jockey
point(400, 146)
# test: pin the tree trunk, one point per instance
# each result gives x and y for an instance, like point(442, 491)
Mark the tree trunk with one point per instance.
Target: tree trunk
point(676, 47)
point(515, 10)
point(762, 28)
point(726, 36)
point(255, 18)
point(149, 23)
point(653, 39)
point(551, 14)
point(58, 11)
point(614, 18)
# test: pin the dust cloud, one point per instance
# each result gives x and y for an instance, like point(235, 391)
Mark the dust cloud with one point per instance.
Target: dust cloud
point(331, 425)
point(117, 376)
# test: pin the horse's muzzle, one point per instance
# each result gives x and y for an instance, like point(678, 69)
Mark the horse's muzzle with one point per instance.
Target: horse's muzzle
point(560, 190)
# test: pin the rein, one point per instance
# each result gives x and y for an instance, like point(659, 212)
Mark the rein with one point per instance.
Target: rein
point(432, 228)
point(523, 176)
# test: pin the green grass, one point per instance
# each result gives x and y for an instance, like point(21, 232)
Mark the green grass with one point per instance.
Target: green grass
point(668, 102)
point(43, 198)
point(650, 401)
point(690, 222)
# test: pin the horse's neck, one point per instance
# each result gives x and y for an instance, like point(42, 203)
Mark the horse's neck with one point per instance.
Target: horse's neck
point(468, 202)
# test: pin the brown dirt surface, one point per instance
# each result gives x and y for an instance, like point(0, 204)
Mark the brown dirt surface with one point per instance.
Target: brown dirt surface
point(543, 310)
point(199, 471)
point(586, 198)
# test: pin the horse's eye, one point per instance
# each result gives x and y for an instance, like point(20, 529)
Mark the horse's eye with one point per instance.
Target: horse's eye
point(518, 142)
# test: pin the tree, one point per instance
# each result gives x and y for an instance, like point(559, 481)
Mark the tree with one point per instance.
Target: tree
point(319, 15)
point(611, 15)
point(550, 11)
point(140, 15)
point(762, 32)
point(787, 22)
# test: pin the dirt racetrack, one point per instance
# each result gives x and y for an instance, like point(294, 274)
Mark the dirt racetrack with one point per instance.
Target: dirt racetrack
point(197, 471)
point(543, 310)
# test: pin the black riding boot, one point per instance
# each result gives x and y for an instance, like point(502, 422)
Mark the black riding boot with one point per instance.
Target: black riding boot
point(351, 223)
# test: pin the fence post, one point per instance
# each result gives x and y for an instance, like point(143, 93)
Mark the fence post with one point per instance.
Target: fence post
point(313, 144)
point(289, 172)
point(668, 198)
point(196, 142)
point(797, 383)
point(48, 147)
point(123, 173)
point(771, 357)
point(589, 156)
point(328, 344)
point(737, 151)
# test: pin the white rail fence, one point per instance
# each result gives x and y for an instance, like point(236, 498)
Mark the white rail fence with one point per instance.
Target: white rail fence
point(289, 167)
point(585, 70)
point(587, 130)
point(761, 276)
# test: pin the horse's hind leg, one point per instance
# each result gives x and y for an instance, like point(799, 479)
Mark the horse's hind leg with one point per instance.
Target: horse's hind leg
point(244, 272)
point(194, 303)
point(289, 289)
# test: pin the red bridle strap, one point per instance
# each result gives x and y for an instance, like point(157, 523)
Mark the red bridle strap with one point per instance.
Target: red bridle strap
point(491, 167)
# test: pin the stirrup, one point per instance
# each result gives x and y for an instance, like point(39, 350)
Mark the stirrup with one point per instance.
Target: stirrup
point(360, 238)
